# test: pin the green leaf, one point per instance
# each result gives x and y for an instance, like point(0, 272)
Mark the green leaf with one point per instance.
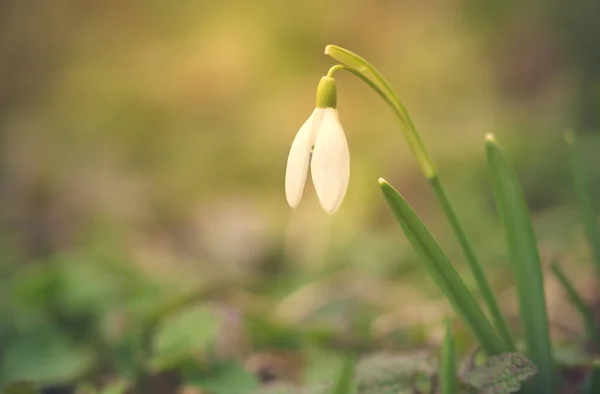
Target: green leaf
point(525, 263)
point(114, 386)
point(118, 386)
point(448, 382)
point(85, 388)
point(442, 272)
point(323, 365)
point(43, 355)
point(186, 333)
point(571, 355)
point(577, 301)
point(502, 374)
point(345, 381)
point(584, 198)
point(225, 378)
point(19, 388)
point(266, 333)
point(169, 347)
point(392, 374)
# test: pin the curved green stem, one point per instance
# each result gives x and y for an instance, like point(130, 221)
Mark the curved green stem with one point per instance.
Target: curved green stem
point(365, 71)
point(335, 68)
point(372, 77)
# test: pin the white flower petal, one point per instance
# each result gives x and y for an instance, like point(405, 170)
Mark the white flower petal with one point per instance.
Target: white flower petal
point(330, 164)
point(299, 158)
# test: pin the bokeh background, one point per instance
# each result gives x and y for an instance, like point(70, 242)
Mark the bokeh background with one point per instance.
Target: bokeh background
point(144, 145)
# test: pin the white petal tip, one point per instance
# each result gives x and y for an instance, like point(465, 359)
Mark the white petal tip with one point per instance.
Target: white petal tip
point(382, 181)
point(293, 205)
point(331, 210)
point(331, 203)
point(293, 195)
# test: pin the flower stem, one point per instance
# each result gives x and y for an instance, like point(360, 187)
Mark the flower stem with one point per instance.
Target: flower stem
point(365, 71)
point(335, 68)
point(448, 382)
point(372, 77)
point(476, 269)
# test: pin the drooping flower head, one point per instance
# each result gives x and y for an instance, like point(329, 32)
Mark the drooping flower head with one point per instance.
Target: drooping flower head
point(320, 143)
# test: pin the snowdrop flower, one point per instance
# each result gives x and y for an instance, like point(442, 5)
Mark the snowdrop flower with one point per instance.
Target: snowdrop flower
point(320, 143)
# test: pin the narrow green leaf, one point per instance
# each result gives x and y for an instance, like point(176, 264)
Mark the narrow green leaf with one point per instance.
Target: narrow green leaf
point(525, 262)
point(442, 272)
point(345, 381)
point(501, 374)
point(584, 198)
point(448, 373)
point(578, 302)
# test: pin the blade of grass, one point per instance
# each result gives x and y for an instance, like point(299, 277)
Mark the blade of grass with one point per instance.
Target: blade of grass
point(584, 198)
point(442, 271)
point(578, 302)
point(345, 380)
point(374, 79)
point(525, 263)
point(448, 372)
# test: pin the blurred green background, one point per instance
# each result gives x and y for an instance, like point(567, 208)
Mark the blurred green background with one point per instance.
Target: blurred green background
point(144, 145)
